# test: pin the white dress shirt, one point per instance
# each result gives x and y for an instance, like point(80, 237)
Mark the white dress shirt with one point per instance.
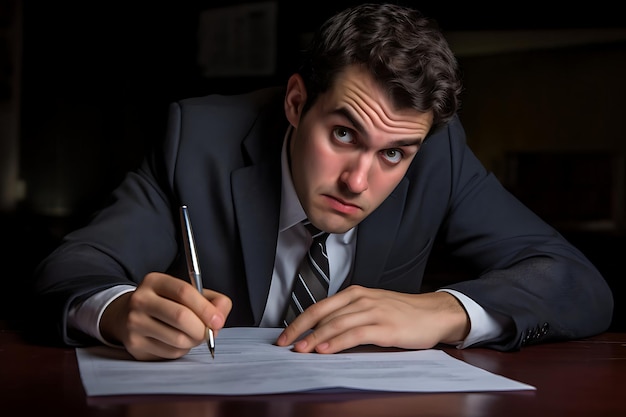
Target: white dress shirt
point(293, 242)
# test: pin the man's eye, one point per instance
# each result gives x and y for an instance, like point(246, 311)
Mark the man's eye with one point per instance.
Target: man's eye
point(392, 155)
point(343, 135)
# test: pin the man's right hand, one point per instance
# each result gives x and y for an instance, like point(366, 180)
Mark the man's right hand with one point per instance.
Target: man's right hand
point(163, 318)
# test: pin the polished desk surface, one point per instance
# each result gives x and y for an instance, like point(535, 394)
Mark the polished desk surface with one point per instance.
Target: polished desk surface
point(578, 378)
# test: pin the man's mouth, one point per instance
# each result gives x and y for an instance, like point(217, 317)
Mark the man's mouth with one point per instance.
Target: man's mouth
point(341, 206)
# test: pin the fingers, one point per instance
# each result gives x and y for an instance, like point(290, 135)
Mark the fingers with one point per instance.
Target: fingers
point(328, 316)
point(156, 351)
point(223, 304)
point(359, 316)
point(339, 334)
point(187, 304)
point(165, 317)
point(351, 321)
point(150, 339)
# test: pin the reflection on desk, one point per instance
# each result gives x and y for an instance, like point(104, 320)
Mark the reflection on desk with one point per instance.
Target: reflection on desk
point(577, 378)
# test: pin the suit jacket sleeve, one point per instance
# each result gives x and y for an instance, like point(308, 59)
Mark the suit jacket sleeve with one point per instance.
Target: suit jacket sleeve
point(524, 269)
point(138, 231)
point(134, 234)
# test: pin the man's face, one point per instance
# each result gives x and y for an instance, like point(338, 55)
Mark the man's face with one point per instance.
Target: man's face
point(351, 149)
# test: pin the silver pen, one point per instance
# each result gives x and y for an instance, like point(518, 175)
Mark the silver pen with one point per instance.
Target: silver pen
point(193, 267)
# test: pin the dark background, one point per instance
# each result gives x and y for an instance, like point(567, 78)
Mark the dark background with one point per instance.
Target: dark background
point(95, 79)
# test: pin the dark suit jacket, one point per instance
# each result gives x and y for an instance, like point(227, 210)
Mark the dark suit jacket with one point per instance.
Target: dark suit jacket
point(221, 157)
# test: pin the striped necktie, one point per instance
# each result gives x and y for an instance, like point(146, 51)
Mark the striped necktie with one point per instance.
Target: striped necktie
point(312, 279)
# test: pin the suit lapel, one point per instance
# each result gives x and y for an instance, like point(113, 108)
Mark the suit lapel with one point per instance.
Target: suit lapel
point(256, 192)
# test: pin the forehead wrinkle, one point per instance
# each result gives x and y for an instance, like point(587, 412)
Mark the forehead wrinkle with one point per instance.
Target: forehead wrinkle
point(378, 110)
point(348, 114)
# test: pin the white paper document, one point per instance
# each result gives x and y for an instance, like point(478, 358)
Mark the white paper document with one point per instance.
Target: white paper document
point(248, 363)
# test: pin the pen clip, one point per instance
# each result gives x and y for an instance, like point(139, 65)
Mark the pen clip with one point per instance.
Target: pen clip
point(190, 248)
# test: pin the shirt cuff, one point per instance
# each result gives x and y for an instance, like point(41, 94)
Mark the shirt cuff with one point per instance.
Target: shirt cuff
point(85, 316)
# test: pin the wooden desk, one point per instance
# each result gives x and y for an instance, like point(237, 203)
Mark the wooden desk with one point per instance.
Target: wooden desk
point(584, 378)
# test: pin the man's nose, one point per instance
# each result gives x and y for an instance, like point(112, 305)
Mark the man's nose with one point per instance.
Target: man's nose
point(356, 174)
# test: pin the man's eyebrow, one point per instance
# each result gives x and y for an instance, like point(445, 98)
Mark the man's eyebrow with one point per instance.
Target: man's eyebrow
point(348, 115)
point(359, 128)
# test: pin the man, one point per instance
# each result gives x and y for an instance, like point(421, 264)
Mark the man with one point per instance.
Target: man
point(364, 142)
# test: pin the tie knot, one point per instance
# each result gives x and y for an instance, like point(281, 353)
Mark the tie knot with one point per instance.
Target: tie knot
point(316, 233)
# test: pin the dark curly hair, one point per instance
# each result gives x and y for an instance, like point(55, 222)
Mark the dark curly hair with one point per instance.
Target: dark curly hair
point(404, 50)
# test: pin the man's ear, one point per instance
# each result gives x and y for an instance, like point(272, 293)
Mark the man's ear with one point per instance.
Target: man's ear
point(295, 99)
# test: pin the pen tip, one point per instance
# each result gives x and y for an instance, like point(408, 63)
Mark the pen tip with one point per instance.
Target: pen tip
point(210, 342)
